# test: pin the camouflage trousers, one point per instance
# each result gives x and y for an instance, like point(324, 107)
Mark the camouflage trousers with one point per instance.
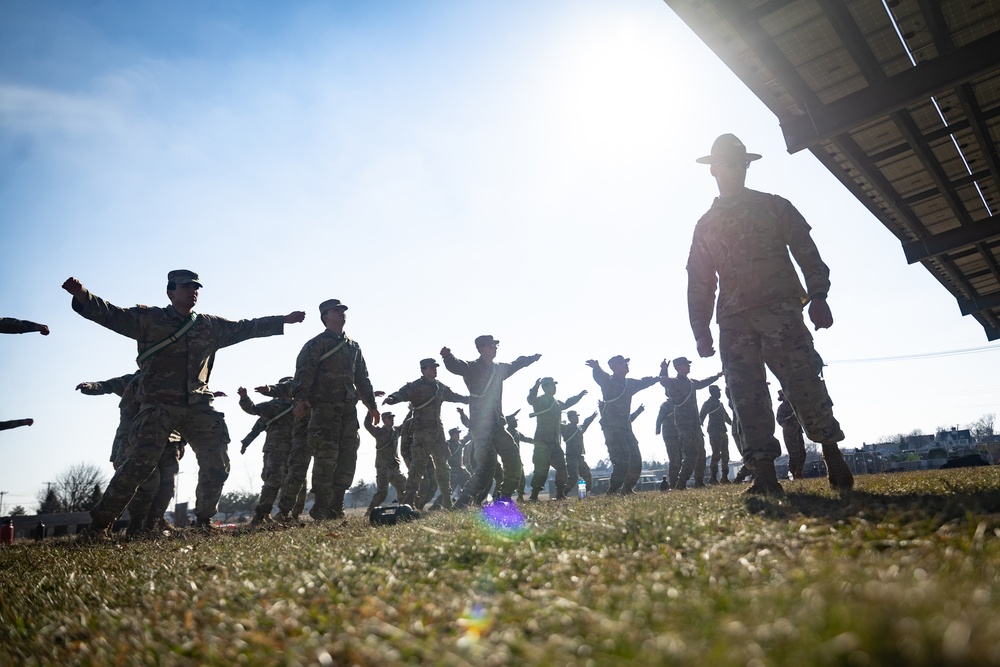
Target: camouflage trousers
point(205, 430)
point(548, 455)
point(492, 440)
point(576, 467)
point(429, 444)
point(273, 475)
point(691, 441)
point(152, 498)
point(777, 336)
point(386, 473)
point(672, 443)
point(626, 459)
point(293, 487)
point(333, 441)
point(719, 441)
point(796, 446)
point(459, 476)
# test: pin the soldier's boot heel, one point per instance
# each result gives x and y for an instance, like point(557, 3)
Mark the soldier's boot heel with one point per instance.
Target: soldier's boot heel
point(837, 471)
point(765, 480)
point(337, 503)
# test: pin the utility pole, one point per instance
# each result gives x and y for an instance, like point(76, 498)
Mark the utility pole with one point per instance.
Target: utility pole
point(2, 494)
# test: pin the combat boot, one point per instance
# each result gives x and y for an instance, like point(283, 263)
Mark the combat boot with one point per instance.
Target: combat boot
point(560, 492)
point(713, 479)
point(204, 526)
point(319, 511)
point(337, 503)
point(260, 518)
point(837, 472)
point(534, 496)
point(765, 480)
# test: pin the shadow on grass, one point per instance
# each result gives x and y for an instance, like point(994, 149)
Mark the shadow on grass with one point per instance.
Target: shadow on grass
point(916, 507)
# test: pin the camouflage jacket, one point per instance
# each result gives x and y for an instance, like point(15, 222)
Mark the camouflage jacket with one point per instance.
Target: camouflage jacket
point(548, 414)
point(279, 431)
point(617, 396)
point(742, 243)
point(386, 440)
point(485, 382)
point(9, 325)
point(716, 414)
point(125, 386)
point(665, 420)
point(573, 434)
point(340, 378)
point(786, 417)
point(178, 373)
point(426, 396)
point(681, 392)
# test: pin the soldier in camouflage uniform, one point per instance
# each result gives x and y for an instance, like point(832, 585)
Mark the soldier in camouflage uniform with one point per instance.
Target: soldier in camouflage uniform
point(518, 437)
point(176, 351)
point(572, 435)
point(386, 461)
point(484, 378)
point(9, 325)
point(791, 433)
point(742, 245)
point(330, 377)
point(623, 447)
point(667, 428)
point(152, 498)
point(718, 435)
point(275, 417)
point(426, 395)
point(548, 436)
point(456, 454)
point(681, 390)
point(291, 497)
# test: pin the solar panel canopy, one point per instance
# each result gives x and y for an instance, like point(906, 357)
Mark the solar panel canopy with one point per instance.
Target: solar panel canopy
point(900, 100)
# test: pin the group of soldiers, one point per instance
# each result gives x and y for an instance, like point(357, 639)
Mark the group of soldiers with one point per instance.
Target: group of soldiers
point(740, 251)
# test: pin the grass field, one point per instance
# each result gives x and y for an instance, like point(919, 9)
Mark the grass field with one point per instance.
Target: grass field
point(905, 572)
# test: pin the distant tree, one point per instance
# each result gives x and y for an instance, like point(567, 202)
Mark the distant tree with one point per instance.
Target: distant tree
point(360, 493)
point(236, 502)
point(652, 465)
point(48, 502)
point(603, 464)
point(95, 497)
point(983, 427)
point(18, 511)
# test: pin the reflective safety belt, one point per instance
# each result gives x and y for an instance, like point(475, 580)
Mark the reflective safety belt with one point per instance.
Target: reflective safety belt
point(167, 341)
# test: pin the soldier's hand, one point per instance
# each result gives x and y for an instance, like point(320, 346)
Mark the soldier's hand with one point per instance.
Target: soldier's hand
point(819, 313)
point(301, 410)
point(242, 391)
point(389, 400)
point(664, 367)
point(219, 394)
point(243, 449)
point(27, 422)
point(375, 416)
point(42, 329)
point(263, 389)
point(379, 394)
point(706, 346)
point(180, 451)
point(445, 352)
point(84, 385)
point(593, 363)
point(295, 317)
point(74, 287)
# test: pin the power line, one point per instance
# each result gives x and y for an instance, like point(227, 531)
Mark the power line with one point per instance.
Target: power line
point(921, 355)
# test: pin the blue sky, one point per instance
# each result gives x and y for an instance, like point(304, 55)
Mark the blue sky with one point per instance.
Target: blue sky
point(447, 169)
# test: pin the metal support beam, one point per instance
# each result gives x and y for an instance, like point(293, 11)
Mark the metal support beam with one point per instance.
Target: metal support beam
point(953, 239)
point(895, 93)
point(979, 303)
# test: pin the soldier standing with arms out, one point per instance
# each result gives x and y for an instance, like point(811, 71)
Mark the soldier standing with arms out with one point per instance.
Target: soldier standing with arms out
point(667, 428)
point(278, 422)
point(176, 351)
point(791, 433)
point(456, 447)
point(386, 461)
point(681, 390)
point(742, 244)
point(718, 435)
point(548, 450)
point(572, 434)
point(519, 437)
point(484, 377)
point(426, 395)
point(623, 447)
point(330, 377)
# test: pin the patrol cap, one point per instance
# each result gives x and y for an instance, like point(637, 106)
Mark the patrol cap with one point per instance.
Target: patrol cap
point(182, 277)
point(424, 363)
point(330, 303)
point(454, 430)
point(618, 358)
point(572, 413)
point(682, 360)
point(547, 380)
point(728, 147)
point(512, 415)
point(388, 414)
point(486, 339)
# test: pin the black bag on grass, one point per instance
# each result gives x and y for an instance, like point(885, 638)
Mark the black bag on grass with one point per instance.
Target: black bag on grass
point(390, 515)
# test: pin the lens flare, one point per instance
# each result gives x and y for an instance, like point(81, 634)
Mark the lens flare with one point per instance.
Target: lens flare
point(503, 517)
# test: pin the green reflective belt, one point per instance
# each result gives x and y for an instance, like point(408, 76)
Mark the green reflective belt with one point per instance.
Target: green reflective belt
point(167, 341)
point(278, 416)
point(342, 344)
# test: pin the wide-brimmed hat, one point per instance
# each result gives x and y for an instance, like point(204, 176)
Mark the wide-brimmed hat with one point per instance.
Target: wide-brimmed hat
point(728, 148)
